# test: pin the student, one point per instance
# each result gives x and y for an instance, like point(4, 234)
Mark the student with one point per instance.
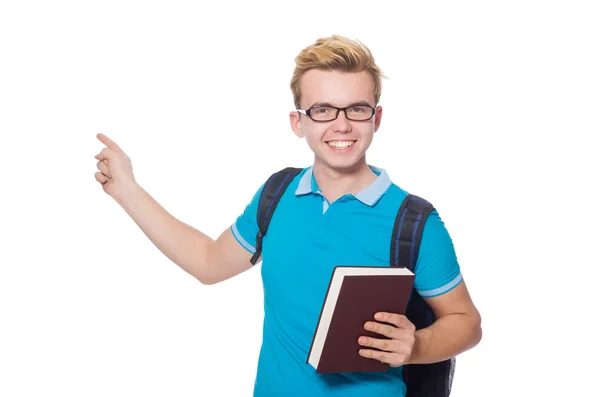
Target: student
point(339, 210)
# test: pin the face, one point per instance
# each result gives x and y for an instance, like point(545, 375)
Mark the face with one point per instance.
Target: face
point(329, 140)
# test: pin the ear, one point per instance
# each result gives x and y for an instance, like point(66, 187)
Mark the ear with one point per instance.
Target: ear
point(377, 121)
point(296, 124)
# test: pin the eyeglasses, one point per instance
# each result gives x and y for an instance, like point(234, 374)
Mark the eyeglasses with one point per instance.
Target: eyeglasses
point(329, 113)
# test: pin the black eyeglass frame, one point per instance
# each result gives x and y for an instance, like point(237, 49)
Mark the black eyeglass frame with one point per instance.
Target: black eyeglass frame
point(306, 112)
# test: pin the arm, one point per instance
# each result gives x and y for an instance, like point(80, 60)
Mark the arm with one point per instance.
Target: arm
point(458, 324)
point(196, 253)
point(439, 281)
point(457, 328)
point(207, 260)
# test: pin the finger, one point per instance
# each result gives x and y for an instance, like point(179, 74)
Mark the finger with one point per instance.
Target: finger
point(398, 320)
point(100, 177)
point(382, 329)
point(108, 142)
point(385, 357)
point(100, 157)
point(389, 345)
point(105, 155)
point(104, 168)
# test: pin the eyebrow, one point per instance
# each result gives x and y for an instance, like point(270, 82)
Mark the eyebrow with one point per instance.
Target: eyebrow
point(329, 104)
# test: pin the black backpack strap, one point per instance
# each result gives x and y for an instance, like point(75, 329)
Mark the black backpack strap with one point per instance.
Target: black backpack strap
point(422, 380)
point(269, 198)
point(408, 227)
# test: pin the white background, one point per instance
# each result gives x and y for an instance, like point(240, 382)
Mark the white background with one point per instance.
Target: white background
point(490, 111)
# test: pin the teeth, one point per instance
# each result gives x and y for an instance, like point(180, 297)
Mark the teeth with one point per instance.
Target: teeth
point(340, 144)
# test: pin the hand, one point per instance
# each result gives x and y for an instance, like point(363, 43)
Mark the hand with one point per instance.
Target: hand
point(396, 350)
point(116, 172)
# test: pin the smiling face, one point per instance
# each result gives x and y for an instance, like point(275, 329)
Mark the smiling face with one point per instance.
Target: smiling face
point(339, 144)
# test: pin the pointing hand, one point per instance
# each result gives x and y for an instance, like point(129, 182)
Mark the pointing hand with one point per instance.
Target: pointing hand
point(116, 172)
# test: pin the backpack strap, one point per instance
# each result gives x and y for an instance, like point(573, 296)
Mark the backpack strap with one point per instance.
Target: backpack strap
point(408, 227)
point(423, 380)
point(269, 198)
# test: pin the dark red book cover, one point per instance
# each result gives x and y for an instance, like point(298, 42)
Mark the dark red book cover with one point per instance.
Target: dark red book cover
point(360, 297)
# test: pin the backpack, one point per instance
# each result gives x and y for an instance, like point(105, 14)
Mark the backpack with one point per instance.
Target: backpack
point(422, 380)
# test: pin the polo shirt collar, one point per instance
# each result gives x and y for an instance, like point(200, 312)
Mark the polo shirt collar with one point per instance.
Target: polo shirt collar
point(369, 196)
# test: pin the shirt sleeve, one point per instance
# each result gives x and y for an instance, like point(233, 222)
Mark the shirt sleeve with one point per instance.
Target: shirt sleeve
point(245, 227)
point(437, 270)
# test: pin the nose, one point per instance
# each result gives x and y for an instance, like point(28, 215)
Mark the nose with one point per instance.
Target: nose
point(341, 123)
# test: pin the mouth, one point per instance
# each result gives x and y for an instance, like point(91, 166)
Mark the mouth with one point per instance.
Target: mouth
point(341, 146)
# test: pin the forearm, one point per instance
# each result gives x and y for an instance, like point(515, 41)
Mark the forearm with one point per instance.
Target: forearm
point(445, 338)
point(185, 246)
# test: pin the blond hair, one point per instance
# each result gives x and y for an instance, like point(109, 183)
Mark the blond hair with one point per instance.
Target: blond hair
point(336, 53)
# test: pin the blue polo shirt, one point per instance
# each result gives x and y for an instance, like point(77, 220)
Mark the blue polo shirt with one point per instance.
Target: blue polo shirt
point(307, 238)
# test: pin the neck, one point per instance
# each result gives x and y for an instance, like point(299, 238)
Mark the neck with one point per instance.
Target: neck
point(334, 183)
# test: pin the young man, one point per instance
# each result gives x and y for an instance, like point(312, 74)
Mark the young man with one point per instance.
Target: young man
point(340, 210)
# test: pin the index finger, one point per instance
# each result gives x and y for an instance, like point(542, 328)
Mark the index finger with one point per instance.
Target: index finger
point(396, 319)
point(108, 142)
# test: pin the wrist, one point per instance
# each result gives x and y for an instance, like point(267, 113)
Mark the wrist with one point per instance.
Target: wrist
point(419, 348)
point(128, 194)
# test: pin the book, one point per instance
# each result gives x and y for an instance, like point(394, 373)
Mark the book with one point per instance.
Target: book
point(354, 295)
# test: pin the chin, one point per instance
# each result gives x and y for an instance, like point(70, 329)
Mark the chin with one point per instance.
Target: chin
point(343, 165)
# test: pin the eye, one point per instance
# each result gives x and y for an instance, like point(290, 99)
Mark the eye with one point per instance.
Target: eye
point(323, 110)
